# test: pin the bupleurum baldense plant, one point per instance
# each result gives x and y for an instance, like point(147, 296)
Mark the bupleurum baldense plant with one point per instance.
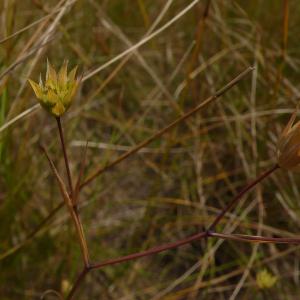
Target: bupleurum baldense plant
point(56, 96)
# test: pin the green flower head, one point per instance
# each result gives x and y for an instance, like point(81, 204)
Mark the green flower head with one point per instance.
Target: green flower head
point(56, 95)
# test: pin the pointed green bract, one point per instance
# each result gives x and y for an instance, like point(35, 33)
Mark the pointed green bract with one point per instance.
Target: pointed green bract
point(36, 88)
point(56, 95)
point(63, 74)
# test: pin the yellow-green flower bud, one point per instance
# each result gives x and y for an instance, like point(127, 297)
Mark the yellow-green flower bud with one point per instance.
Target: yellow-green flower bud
point(265, 279)
point(289, 146)
point(57, 93)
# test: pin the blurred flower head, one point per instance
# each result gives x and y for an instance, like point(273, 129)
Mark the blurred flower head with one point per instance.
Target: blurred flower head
point(265, 279)
point(65, 286)
point(57, 93)
point(289, 145)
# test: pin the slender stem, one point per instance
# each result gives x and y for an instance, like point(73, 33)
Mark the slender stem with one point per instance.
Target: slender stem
point(198, 236)
point(201, 235)
point(77, 283)
point(151, 251)
point(255, 238)
point(73, 213)
point(77, 185)
point(235, 200)
point(158, 134)
point(81, 236)
point(206, 234)
point(62, 140)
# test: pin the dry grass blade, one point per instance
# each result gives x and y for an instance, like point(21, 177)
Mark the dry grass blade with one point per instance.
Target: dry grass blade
point(19, 117)
point(143, 41)
point(28, 27)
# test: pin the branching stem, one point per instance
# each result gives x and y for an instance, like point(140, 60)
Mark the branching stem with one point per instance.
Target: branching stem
point(206, 234)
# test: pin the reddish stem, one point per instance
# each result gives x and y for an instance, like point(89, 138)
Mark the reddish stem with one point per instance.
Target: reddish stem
point(207, 234)
point(77, 282)
point(151, 251)
point(255, 238)
point(235, 200)
point(155, 250)
point(62, 140)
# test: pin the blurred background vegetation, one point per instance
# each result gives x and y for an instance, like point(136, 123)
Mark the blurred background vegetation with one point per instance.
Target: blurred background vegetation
point(175, 186)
